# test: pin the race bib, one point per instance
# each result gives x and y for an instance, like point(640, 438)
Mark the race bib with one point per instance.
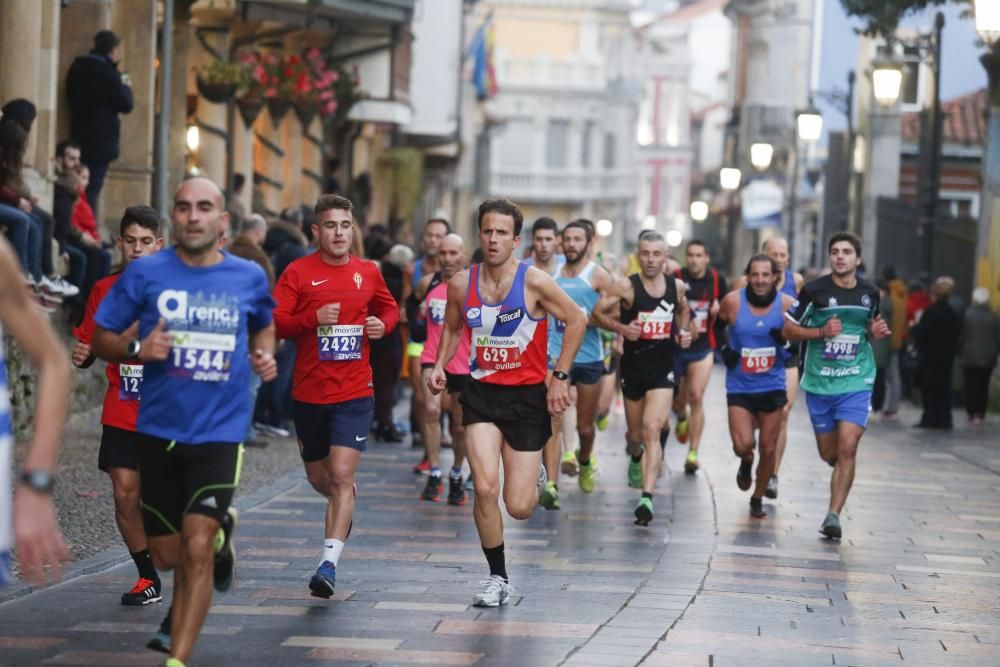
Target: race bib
point(436, 310)
point(131, 381)
point(497, 353)
point(841, 348)
point(339, 342)
point(656, 324)
point(701, 319)
point(201, 356)
point(757, 359)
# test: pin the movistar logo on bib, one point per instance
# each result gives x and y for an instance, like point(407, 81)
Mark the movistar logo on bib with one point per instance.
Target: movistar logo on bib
point(203, 328)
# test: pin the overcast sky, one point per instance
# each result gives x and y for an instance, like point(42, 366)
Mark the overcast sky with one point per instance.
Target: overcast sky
point(961, 74)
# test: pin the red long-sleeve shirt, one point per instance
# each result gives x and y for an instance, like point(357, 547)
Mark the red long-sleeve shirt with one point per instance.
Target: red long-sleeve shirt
point(121, 402)
point(331, 363)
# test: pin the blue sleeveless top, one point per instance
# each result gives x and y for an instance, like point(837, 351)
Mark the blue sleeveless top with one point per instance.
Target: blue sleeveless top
point(761, 368)
point(585, 297)
point(789, 286)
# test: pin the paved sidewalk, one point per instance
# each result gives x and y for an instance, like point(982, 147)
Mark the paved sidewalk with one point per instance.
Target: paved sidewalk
point(915, 580)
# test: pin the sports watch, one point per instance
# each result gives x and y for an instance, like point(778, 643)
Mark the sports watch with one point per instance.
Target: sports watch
point(132, 351)
point(38, 480)
point(560, 375)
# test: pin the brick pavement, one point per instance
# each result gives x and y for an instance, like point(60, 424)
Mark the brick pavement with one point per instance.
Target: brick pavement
point(915, 580)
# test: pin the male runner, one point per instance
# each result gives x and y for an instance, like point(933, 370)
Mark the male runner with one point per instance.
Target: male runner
point(432, 290)
point(654, 312)
point(505, 304)
point(139, 235)
point(204, 319)
point(584, 282)
point(331, 303)
point(544, 241)
point(29, 522)
point(434, 231)
point(755, 374)
point(789, 282)
point(704, 288)
point(837, 313)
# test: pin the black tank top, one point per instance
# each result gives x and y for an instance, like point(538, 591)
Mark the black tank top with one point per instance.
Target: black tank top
point(653, 353)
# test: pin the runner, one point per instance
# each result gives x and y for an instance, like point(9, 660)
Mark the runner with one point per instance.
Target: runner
point(505, 303)
point(434, 231)
point(331, 304)
point(789, 282)
point(755, 374)
point(654, 312)
point(118, 457)
point(838, 312)
point(432, 290)
point(704, 287)
point(584, 282)
point(204, 320)
point(28, 520)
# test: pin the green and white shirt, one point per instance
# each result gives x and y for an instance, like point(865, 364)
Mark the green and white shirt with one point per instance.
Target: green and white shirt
point(844, 363)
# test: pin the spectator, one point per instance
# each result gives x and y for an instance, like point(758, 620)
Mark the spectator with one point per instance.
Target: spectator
point(936, 335)
point(98, 259)
point(68, 236)
point(332, 184)
point(15, 209)
point(97, 92)
point(386, 358)
point(234, 203)
point(894, 380)
point(285, 243)
point(979, 345)
point(20, 114)
point(881, 349)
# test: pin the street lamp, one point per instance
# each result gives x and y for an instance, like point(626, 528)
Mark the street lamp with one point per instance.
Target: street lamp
point(604, 227)
point(729, 178)
point(988, 20)
point(193, 138)
point(760, 155)
point(699, 211)
point(809, 123)
point(649, 222)
point(674, 238)
point(887, 80)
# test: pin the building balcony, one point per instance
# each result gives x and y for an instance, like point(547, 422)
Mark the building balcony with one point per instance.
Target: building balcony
point(563, 185)
point(547, 74)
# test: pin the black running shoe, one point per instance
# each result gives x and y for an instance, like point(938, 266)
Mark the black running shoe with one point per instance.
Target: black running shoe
point(145, 591)
point(456, 490)
point(225, 554)
point(831, 526)
point(757, 508)
point(161, 640)
point(744, 477)
point(433, 489)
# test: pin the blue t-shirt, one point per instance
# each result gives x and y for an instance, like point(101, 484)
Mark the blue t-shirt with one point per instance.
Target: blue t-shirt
point(199, 394)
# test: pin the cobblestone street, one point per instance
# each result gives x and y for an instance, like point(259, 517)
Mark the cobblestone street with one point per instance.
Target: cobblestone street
point(914, 581)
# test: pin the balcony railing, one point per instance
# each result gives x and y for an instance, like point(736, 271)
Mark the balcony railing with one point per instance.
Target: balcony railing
point(551, 74)
point(562, 185)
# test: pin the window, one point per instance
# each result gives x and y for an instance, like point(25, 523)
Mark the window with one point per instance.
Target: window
point(609, 150)
point(557, 144)
point(514, 144)
point(586, 140)
point(910, 92)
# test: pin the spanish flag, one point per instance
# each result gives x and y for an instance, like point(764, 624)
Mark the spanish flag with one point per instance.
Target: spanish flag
point(484, 76)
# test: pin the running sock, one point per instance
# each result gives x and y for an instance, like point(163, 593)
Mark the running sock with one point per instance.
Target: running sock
point(496, 561)
point(456, 472)
point(583, 461)
point(647, 494)
point(331, 551)
point(144, 563)
point(435, 471)
point(637, 459)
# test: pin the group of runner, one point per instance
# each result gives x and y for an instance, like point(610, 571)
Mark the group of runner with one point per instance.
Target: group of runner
point(509, 347)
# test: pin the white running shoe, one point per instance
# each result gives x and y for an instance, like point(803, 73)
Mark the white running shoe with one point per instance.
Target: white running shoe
point(495, 592)
point(68, 288)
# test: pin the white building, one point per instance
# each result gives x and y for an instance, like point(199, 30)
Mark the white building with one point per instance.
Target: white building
point(564, 143)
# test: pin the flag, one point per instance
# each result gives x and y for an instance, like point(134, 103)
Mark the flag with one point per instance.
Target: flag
point(484, 76)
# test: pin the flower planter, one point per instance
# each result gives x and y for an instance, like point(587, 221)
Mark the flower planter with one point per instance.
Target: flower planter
point(249, 108)
point(306, 112)
point(278, 108)
point(217, 93)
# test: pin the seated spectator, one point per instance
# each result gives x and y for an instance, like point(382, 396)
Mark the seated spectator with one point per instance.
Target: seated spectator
point(83, 214)
point(98, 259)
point(69, 237)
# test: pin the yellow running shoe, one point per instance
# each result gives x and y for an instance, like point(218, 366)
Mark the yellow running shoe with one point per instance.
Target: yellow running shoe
point(681, 430)
point(602, 422)
point(569, 465)
point(588, 475)
point(549, 497)
point(691, 464)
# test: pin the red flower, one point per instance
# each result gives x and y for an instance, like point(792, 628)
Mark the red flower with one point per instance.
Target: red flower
point(287, 72)
point(294, 59)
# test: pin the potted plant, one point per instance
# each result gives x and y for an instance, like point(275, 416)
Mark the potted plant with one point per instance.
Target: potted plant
point(219, 80)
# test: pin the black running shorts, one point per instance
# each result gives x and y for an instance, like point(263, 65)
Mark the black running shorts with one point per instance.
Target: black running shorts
point(767, 401)
point(520, 412)
point(177, 479)
point(454, 383)
point(634, 387)
point(119, 449)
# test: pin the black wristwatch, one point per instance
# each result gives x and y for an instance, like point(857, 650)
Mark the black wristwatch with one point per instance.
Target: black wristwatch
point(132, 351)
point(38, 480)
point(560, 375)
